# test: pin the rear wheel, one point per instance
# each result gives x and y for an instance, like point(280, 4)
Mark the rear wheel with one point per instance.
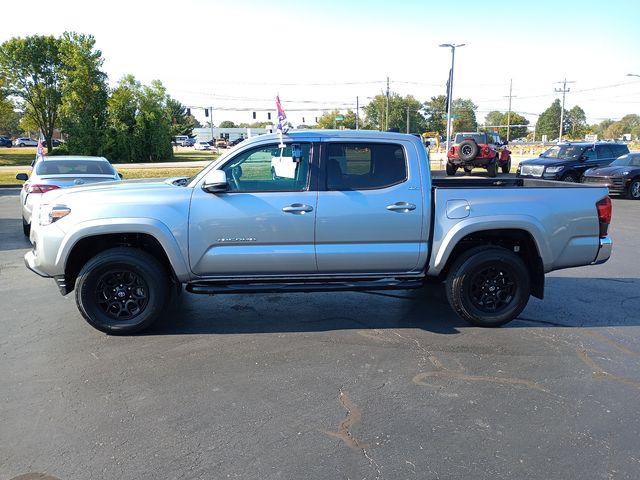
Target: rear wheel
point(488, 286)
point(451, 169)
point(634, 189)
point(122, 290)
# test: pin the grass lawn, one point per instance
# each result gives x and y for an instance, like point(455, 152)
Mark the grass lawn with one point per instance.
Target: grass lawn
point(24, 156)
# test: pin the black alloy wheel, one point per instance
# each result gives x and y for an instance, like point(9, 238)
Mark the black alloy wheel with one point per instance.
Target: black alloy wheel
point(634, 189)
point(488, 286)
point(122, 290)
point(569, 177)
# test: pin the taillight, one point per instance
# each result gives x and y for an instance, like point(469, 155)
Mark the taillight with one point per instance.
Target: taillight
point(605, 208)
point(452, 151)
point(487, 150)
point(40, 188)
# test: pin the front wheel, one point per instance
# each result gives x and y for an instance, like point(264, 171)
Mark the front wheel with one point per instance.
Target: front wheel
point(492, 169)
point(506, 167)
point(569, 177)
point(634, 189)
point(122, 290)
point(26, 227)
point(488, 286)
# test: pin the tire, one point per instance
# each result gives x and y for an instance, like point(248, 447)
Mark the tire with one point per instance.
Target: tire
point(468, 170)
point(488, 286)
point(506, 168)
point(468, 150)
point(633, 192)
point(451, 169)
point(26, 228)
point(122, 290)
point(492, 169)
point(21, 145)
point(569, 177)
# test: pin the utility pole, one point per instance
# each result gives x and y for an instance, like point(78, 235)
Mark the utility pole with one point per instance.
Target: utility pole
point(386, 120)
point(357, 113)
point(562, 90)
point(450, 89)
point(509, 111)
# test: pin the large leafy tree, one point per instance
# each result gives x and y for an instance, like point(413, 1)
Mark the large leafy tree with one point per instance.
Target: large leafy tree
point(84, 94)
point(463, 113)
point(436, 114)
point(33, 72)
point(9, 117)
point(549, 121)
point(499, 120)
point(577, 123)
point(399, 109)
point(181, 122)
point(330, 120)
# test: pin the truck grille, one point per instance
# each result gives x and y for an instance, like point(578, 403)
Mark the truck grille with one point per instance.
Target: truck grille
point(532, 170)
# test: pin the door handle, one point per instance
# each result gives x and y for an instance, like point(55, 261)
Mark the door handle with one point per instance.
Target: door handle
point(298, 208)
point(401, 207)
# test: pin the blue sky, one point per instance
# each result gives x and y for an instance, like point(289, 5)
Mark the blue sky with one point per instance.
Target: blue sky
point(236, 55)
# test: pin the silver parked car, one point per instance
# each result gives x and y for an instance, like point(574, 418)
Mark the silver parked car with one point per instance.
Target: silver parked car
point(61, 172)
point(25, 142)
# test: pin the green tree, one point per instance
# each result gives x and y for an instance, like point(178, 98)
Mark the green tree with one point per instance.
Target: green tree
point(122, 107)
point(227, 124)
point(630, 122)
point(399, 109)
point(577, 123)
point(181, 123)
point(329, 120)
point(436, 114)
point(9, 117)
point(153, 124)
point(33, 72)
point(83, 110)
point(496, 118)
point(614, 131)
point(549, 121)
point(601, 127)
point(463, 113)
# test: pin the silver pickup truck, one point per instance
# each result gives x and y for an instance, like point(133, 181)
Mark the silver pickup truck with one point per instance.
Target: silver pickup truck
point(321, 211)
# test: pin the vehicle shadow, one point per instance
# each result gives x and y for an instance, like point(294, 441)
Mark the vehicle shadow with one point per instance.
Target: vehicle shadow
point(570, 302)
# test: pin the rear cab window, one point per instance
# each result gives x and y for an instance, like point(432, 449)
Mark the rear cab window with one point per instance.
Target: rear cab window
point(364, 166)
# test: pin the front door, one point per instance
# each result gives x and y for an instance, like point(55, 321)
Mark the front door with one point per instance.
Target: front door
point(264, 224)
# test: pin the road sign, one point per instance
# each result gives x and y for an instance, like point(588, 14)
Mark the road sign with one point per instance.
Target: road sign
point(339, 118)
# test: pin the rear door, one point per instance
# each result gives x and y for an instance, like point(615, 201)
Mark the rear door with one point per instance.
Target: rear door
point(370, 212)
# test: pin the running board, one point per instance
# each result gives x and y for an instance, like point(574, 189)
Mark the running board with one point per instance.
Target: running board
point(211, 288)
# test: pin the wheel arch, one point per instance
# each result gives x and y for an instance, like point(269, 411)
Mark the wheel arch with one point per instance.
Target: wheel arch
point(518, 240)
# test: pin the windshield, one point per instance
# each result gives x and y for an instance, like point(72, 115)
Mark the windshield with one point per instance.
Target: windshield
point(626, 160)
point(564, 152)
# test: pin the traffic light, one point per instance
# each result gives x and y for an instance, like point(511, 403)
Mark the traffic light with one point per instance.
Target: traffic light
point(206, 112)
point(254, 115)
point(188, 112)
point(302, 119)
point(268, 115)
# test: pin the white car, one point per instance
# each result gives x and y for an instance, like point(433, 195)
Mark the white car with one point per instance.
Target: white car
point(25, 142)
point(202, 146)
point(60, 172)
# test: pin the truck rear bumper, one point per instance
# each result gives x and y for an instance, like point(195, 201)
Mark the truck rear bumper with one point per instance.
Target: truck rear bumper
point(604, 252)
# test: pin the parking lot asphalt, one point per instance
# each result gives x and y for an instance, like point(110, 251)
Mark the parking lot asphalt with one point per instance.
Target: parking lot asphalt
point(389, 385)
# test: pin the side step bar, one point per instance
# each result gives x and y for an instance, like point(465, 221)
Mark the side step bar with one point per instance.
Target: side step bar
point(211, 288)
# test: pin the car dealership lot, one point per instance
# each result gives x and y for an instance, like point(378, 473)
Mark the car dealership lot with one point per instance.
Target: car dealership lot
point(325, 385)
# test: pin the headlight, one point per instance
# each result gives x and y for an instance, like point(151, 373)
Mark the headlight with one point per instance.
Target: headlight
point(50, 214)
point(554, 169)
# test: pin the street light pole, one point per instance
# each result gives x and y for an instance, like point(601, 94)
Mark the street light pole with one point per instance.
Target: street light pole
point(450, 89)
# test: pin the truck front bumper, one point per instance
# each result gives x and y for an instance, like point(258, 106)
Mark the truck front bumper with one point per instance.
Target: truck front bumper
point(604, 252)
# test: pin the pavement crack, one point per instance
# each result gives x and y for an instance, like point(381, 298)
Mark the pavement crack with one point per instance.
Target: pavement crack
point(600, 374)
point(421, 379)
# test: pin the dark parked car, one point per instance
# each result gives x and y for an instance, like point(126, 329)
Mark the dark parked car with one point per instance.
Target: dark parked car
point(621, 176)
point(235, 142)
point(5, 142)
point(569, 161)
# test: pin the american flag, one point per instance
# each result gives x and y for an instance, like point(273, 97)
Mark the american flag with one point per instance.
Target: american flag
point(283, 125)
point(40, 150)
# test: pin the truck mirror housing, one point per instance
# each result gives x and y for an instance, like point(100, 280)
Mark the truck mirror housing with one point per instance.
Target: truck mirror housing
point(215, 182)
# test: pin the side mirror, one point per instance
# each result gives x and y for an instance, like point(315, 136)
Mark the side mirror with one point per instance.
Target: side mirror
point(22, 176)
point(215, 182)
point(120, 175)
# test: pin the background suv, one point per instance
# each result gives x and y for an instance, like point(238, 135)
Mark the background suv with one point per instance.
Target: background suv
point(569, 161)
point(478, 149)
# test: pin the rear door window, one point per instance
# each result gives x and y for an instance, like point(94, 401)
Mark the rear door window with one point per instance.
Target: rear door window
point(364, 166)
